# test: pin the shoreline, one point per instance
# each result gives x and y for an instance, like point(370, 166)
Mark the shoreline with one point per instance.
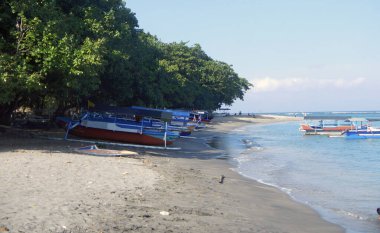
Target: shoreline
point(183, 184)
point(240, 122)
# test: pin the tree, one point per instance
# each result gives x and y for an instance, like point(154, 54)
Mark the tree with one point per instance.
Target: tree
point(63, 52)
point(191, 79)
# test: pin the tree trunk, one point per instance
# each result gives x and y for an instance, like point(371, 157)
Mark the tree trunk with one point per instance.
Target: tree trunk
point(60, 111)
point(5, 114)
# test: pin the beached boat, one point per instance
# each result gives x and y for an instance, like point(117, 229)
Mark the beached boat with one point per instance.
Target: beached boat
point(326, 125)
point(113, 126)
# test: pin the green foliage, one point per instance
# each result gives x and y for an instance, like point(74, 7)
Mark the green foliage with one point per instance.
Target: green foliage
point(191, 79)
point(62, 52)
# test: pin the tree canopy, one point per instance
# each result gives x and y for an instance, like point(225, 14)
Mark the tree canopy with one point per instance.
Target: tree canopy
point(62, 53)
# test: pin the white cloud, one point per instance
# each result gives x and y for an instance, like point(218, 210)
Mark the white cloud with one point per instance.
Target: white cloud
point(268, 84)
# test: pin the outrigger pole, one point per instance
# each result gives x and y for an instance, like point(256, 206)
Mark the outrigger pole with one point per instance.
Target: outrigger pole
point(67, 131)
point(113, 143)
point(166, 130)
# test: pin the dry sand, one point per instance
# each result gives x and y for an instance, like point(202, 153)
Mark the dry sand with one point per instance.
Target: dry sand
point(46, 187)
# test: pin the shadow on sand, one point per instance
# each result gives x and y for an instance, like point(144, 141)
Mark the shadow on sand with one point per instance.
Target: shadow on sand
point(206, 145)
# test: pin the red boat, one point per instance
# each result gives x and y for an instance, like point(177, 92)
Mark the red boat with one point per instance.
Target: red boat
point(326, 129)
point(110, 127)
point(326, 125)
point(110, 135)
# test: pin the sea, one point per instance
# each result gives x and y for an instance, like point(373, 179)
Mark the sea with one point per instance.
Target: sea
point(337, 177)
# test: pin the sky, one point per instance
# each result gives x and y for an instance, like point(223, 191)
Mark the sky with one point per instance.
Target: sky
point(300, 55)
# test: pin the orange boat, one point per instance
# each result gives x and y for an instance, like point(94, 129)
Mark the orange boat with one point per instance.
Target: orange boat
point(325, 125)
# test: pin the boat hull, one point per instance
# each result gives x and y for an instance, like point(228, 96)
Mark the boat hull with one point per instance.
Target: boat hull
point(331, 131)
point(327, 133)
point(126, 137)
point(362, 134)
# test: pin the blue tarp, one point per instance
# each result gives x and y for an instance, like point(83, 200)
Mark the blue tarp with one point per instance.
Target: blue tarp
point(178, 113)
point(137, 111)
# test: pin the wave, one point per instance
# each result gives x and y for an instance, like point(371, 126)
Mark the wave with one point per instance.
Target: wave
point(351, 214)
point(251, 144)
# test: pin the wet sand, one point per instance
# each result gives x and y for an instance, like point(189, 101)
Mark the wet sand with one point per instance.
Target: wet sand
point(45, 186)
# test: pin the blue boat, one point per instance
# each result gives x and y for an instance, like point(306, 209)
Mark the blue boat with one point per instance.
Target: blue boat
point(363, 129)
point(369, 132)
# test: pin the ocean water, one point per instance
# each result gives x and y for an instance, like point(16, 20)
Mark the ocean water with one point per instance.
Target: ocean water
point(338, 177)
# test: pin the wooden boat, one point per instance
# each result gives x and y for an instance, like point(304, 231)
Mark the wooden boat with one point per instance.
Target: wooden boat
point(326, 125)
point(111, 127)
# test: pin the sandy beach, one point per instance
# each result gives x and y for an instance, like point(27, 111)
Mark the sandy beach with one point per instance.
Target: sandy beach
point(45, 186)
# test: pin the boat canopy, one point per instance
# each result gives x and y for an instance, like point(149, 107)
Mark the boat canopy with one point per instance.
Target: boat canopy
point(357, 119)
point(177, 113)
point(327, 117)
point(362, 119)
point(137, 111)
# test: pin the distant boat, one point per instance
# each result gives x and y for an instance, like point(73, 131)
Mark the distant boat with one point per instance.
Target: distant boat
point(365, 132)
point(326, 125)
point(108, 125)
point(369, 132)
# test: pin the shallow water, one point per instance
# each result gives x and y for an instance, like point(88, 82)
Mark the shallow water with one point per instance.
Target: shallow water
point(339, 178)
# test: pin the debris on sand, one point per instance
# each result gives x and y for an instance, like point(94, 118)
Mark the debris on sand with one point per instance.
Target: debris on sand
point(164, 213)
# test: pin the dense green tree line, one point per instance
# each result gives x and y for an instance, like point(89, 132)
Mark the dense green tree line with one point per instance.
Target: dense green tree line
point(60, 53)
